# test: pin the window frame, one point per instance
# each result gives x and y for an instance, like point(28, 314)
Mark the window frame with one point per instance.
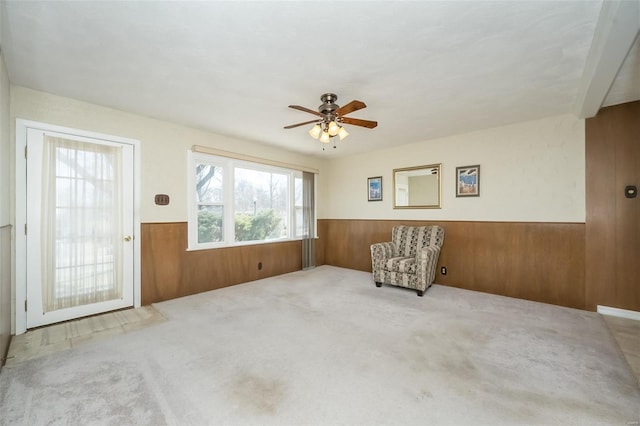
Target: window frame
point(229, 166)
point(194, 203)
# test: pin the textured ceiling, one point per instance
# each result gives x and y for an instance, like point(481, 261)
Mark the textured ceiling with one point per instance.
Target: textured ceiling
point(425, 69)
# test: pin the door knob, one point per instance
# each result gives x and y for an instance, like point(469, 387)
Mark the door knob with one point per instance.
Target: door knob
point(127, 238)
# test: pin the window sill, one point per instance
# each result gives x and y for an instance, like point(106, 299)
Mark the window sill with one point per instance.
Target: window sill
point(246, 243)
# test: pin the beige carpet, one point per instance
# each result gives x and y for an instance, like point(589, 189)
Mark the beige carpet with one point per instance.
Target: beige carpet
point(325, 346)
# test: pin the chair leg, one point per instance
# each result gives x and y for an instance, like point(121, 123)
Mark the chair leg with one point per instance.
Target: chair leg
point(378, 284)
point(420, 293)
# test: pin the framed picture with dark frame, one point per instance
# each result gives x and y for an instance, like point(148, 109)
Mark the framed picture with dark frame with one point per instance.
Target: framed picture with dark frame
point(468, 181)
point(374, 188)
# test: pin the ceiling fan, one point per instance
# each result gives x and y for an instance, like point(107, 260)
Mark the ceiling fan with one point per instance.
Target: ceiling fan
point(331, 117)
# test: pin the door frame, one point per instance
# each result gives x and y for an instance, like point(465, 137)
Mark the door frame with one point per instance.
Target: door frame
point(21, 211)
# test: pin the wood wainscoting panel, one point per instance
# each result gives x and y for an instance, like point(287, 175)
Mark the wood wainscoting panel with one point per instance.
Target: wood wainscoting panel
point(170, 271)
point(613, 220)
point(543, 262)
point(5, 292)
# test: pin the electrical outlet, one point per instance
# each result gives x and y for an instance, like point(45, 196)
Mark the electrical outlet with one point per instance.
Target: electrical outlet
point(443, 270)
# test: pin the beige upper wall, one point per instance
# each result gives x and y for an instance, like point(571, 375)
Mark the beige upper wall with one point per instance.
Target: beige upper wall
point(5, 147)
point(532, 171)
point(6, 257)
point(164, 145)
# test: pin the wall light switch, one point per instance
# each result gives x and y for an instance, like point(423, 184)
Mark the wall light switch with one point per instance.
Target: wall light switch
point(162, 199)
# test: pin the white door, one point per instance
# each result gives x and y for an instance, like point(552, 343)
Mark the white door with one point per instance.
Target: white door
point(80, 223)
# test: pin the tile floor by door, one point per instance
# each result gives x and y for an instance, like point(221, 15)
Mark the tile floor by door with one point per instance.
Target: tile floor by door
point(627, 334)
point(58, 337)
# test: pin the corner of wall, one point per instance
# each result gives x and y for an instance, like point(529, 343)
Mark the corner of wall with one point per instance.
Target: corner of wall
point(6, 248)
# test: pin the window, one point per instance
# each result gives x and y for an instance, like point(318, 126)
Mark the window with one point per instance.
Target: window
point(235, 202)
point(210, 202)
point(261, 200)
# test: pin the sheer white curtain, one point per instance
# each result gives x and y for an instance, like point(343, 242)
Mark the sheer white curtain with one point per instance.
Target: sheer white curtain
point(82, 227)
point(308, 221)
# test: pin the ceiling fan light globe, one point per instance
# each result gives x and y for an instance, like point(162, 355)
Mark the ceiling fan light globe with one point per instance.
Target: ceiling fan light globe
point(315, 131)
point(342, 133)
point(333, 128)
point(325, 137)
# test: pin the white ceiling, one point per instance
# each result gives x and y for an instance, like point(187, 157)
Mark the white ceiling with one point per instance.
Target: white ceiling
point(425, 69)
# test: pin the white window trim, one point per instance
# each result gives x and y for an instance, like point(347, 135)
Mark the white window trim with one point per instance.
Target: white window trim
point(229, 164)
point(258, 160)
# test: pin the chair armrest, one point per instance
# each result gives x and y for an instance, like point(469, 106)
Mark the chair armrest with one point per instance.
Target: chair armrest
point(428, 253)
point(427, 262)
point(380, 252)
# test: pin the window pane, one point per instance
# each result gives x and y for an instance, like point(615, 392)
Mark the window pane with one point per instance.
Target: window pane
point(261, 204)
point(209, 183)
point(210, 223)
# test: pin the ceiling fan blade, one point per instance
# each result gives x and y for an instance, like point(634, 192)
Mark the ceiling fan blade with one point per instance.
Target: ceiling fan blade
point(358, 122)
point(301, 108)
point(301, 124)
point(350, 107)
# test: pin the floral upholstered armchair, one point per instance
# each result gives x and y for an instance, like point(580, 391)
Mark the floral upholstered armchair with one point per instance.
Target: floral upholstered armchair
point(409, 259)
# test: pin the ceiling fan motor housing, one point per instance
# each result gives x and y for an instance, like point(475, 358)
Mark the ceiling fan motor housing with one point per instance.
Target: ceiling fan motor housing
point(328, 106)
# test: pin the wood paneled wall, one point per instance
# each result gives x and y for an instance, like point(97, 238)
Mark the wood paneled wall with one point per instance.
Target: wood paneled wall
point(535, 261)
point(5, 291)
point(613, 221)
point(543, 262)
point(170, 271)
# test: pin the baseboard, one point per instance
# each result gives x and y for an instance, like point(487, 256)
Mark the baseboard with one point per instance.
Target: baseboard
point(616, 312)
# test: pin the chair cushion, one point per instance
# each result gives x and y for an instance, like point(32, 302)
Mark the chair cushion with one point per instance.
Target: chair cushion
point(409, 240)
point(406, 265)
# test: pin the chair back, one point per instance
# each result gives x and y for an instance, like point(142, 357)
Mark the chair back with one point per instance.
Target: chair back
point(410, 239)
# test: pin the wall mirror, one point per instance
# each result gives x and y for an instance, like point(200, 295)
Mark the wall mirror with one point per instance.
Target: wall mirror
point(417, 187)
